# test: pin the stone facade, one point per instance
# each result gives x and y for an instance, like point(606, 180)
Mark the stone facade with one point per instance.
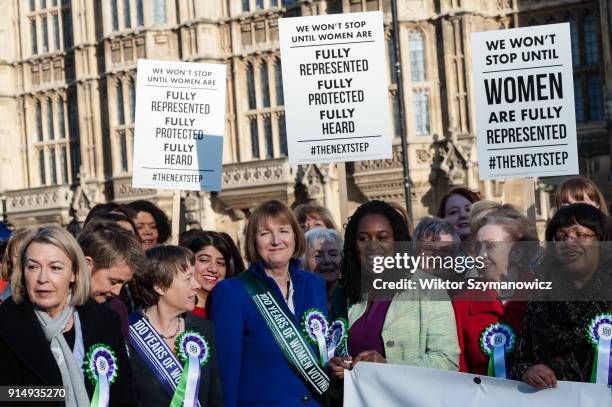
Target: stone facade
point(67, 98)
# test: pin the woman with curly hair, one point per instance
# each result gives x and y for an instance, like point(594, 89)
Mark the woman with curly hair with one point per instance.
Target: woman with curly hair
point(403, 330)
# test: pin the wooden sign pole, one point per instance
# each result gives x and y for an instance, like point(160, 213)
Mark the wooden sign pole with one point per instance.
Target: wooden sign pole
point(342, 195)
point(176, 216)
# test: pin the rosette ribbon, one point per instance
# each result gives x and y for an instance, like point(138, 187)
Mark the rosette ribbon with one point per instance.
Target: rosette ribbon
point(316, 328)
point(101, 369)
point(599, 334)
point(193, 350)
point(496, 341)
point(337, 337)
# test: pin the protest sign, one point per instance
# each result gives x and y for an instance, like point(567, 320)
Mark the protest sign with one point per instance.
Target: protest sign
point(524, 102)
point(336, 88)
point(180, 120)
point(380, 384)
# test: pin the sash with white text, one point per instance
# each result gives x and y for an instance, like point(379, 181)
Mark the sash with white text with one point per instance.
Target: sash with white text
point(155, 353)
point(288, 337)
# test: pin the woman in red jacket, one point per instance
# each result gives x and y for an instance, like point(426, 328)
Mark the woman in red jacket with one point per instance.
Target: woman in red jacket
point(492, 319)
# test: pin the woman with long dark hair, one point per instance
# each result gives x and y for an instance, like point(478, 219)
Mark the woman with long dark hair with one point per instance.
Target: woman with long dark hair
point(213, 263)
point(404, 330)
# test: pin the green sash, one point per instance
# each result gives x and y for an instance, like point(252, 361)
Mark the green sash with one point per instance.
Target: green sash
point(288, 337)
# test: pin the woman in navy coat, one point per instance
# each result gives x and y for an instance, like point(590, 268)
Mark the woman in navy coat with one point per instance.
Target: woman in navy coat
point(254, 370)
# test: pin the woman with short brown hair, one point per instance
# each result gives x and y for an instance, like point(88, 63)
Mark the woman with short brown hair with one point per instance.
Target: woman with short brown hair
point(172, 348)
point(260, 317)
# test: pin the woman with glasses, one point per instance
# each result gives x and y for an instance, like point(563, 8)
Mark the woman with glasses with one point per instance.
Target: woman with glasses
point(558, 342)
point(500, 231)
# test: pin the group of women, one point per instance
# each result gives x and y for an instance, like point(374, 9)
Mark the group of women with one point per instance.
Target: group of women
point(118, 317)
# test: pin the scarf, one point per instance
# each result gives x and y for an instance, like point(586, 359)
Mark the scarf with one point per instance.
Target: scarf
point(72, 377)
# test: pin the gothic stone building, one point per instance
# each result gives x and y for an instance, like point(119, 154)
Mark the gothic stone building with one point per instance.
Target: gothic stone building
point(67, 96)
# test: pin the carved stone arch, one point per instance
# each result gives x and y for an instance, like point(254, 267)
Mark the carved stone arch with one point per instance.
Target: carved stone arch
point(454, 164)
point(81, 204)
point(310, 177)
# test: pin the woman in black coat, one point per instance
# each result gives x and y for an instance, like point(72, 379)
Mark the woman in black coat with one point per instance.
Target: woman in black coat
point(168, 344)
point(555, 343)
point(51, 335)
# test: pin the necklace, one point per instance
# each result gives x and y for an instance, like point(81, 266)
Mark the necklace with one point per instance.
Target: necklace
point(178, 326)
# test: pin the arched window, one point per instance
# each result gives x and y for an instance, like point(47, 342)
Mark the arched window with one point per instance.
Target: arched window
point(254, 138)
point(56, 32)
point(268, 137)
point(250, 77)
point(579, 100)
point(33, 35)
point(278, 83)
point(50, 128)
point(421, 112)
point(61, 118)
point(120, 107)
point(396, 115)
point(160, 11)
point(45, 34)
point(139, 13)
point(52, 166)
point(282, 135)
point(39, 124)
point(123, 153)
point(591, 41)
point(115, 15)
point(127, 17)
point(417, 56)
point(64, 164)
point(41, 167)
point(132, 100)
point(575, 41)
point(392, 60)
point(595, 92)
point(265, 85)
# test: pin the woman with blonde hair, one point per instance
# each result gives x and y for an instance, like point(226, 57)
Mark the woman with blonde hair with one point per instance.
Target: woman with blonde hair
point(49, 329)
point(506, 247)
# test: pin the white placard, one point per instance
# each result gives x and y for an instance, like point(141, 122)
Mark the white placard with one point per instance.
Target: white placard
point(335, 82)
point(179, 126)
point(382, 384)
point(524, 99)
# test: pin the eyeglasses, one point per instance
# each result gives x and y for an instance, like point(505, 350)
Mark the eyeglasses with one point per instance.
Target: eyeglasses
point(581, 237)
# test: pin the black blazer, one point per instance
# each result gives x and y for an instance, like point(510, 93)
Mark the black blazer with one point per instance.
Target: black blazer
point(150, 391)
point(26, 358)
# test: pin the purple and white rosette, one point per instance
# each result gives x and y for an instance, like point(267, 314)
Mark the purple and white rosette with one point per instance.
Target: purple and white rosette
point(316, 328)
point(338, 333)
point(101, 369)
point(599, 333)
point(194, 352)
point(497, 340)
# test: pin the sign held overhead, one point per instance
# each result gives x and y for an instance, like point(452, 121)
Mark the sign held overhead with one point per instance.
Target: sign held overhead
point(524, 96)
point(336, 88)
point(179, 126)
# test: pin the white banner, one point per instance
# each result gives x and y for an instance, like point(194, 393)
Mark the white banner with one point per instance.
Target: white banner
point(524, 100)
point(379, 384)
point(180, 121)
point(335, 87)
